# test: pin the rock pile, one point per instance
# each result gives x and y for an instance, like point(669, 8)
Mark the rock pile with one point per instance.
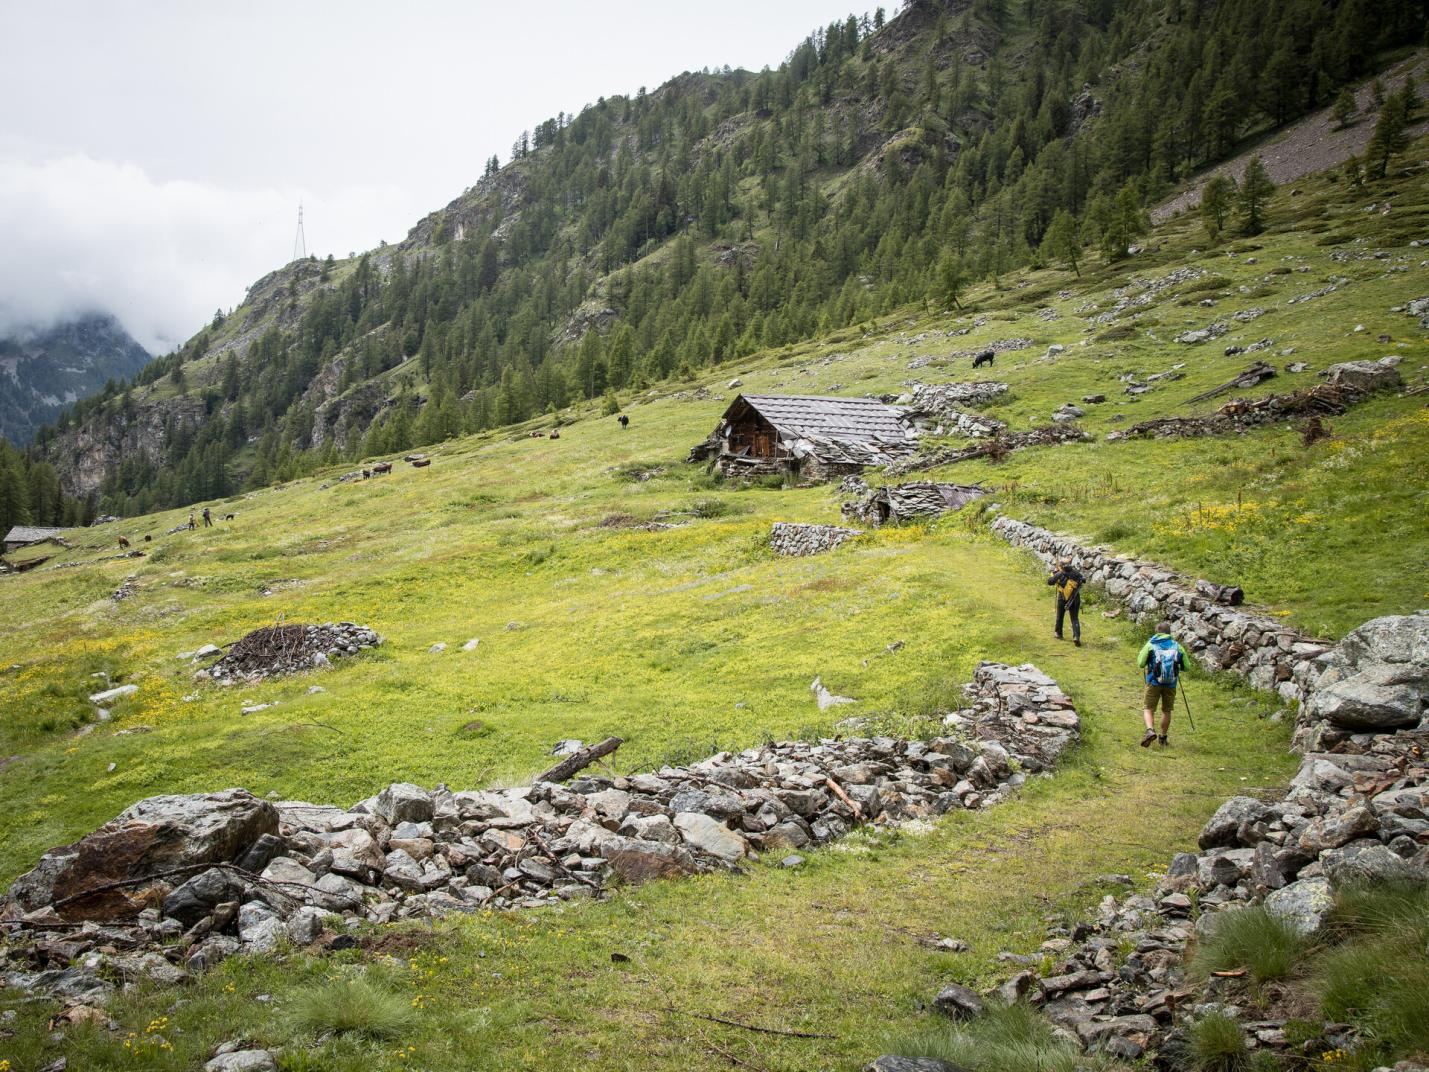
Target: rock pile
point(188, 880)
point(1240, 414)
point(1265, 651)
point(285, 649)
point(938, 399)
point(995, 448)
point(794, 539)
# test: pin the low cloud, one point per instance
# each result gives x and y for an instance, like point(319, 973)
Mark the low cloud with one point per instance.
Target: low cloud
point(81, 234)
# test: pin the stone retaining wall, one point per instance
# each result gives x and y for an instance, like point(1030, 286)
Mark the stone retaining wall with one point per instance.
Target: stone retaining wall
point(1266, 652)
point(791, 538)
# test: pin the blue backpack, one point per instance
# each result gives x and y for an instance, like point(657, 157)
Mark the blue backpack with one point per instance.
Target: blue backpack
point(1164, 655)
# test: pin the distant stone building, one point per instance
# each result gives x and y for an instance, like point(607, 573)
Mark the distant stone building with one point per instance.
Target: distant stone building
point(806, 438)
point(26, 535)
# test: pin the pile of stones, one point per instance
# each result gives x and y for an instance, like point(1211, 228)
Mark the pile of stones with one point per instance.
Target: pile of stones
point(176, 883)
point(1269, 654)
point(945, 399)
point(798, 540)
point(286, 649)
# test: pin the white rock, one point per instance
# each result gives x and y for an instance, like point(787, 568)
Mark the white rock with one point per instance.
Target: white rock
point(437, 649)
point(711, 835)
point(471, 644)
point(113, 694)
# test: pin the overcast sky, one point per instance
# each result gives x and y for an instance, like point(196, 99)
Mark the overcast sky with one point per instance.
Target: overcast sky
point(152, 154)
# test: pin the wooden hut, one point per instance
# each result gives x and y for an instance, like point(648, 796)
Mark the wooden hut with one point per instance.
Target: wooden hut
point(805, 437)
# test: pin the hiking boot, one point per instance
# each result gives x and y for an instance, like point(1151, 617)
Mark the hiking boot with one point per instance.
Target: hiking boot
point(1147, 738)
point(1164, 742)
point(1077, 641)
point(1057, 635)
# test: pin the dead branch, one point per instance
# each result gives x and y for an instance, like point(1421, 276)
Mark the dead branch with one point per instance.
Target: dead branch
point(580, 760)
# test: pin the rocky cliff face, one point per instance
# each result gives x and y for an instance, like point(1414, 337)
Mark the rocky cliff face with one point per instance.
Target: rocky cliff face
point(41, 371)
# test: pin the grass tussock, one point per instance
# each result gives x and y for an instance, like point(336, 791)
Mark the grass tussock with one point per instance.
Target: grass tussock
point(1010, 1038)
point(1253, 939)
point(356, 1007)
point(1214, 1043)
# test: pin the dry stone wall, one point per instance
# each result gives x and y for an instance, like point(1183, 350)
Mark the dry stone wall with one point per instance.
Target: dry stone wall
point(797, 540)
point(1269, 654)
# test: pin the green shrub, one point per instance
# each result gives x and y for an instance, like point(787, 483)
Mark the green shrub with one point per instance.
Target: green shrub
point(1215, 1044)
point(1253, 939)
point(352, 1007)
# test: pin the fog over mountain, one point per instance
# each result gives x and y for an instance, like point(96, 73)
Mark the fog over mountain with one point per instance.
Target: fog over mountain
point(153, 158)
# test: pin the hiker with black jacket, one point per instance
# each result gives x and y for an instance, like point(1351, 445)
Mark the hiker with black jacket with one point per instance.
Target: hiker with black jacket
point(1069, 598)
point(1163, 658)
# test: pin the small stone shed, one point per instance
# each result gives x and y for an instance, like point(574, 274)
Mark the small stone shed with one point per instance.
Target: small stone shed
point(27, 535)
point(806, 437)
point(896, 503)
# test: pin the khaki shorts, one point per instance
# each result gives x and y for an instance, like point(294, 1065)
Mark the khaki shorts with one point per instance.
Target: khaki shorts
point(1165, 693)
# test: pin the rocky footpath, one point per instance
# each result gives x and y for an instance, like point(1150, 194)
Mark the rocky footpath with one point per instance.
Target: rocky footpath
point(176, 883)
point(798, 540)
point(1269, 654)
point(286, 649)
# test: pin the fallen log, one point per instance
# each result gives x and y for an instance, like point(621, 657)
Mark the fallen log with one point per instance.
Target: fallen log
point(580, 760)
point(1257, 373)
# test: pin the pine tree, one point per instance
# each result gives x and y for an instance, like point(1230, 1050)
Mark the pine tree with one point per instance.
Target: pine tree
point(1345, 109)
point(1389, 138)
point(1216, 204)
point(1255, 191)
point(1061, 242)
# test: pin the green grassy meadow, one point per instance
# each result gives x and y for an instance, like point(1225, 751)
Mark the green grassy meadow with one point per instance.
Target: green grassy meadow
point(696, 637)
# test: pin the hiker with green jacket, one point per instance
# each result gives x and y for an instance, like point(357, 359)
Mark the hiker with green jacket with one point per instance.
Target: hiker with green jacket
point(1163, 659)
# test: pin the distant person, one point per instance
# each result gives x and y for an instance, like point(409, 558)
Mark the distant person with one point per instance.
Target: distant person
point(1163, 658)
point(624, 421)
point(191, 520)
point(207, 518)
point(1068, 581)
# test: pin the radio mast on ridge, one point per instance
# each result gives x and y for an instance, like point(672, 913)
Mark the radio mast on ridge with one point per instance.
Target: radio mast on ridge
point(300, 241)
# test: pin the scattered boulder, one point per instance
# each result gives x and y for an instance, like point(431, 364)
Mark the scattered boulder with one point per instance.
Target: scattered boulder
point(1304, 904)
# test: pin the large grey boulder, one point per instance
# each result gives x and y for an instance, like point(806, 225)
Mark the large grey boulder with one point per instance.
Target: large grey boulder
point(891, 1063)
point(1368, 863)
point(1304, 904)
point(1365, 375)
point(155, 837)
point(196, 898)
point(1231, 825)
point(958, 1002)
point(711, 836)
point(403, 802)
point(1377, 678)
point(242, 1061)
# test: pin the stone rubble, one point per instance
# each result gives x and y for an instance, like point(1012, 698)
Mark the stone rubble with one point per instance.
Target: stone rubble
point(896, 503)
point(799, 540)
point(175, 884)
point(287, 649)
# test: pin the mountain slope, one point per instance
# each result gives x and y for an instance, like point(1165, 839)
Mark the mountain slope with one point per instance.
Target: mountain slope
point(594, 618)
point(723, 213)
point(42, 371)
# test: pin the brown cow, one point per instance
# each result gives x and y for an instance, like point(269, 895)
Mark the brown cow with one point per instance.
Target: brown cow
point(381, 467)
point(123, 542)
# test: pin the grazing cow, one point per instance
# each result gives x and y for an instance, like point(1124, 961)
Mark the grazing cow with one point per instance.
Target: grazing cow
point(555, 433)
point(229, 517)
point(381, 467)
point(367, 474)
point(148, 538)
point(123, 542)
point(421, 463)
point(984, 358)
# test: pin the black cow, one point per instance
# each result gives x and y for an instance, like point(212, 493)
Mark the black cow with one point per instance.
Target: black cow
point(984, 358)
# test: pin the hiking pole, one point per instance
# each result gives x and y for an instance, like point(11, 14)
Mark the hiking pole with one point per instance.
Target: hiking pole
point(1182, 690)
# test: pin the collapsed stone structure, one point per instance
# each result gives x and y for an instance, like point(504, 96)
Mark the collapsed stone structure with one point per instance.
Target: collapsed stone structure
point(286, 649)
point(797, 540)
point(996, 448)
point(939, 407)
point(896, 503)
point(176, 883)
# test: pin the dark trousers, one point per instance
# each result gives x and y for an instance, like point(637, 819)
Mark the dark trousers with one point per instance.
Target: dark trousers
point(1074, 608)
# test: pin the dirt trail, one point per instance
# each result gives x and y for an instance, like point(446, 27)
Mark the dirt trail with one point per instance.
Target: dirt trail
point(1309, 145)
